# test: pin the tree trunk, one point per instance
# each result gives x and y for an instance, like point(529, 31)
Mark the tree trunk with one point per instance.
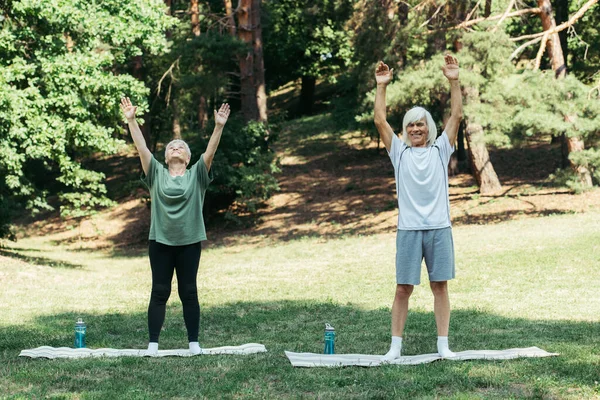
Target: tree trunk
point(307, 95)
point(176, 123)
point(169, 11)
point(202, 106)
point(553, 45)
point(562, 15)
point(202, 112)
point(247, 88)
point(481, 165)
point(461, 151)
point(574, 143)
point(392, 8)
point(488, 8)
point(230, 19)
point(195, 16)
point(259, 63)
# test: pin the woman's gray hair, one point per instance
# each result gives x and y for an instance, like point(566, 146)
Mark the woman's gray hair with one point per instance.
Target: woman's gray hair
point(416, 114)
point(178, 141)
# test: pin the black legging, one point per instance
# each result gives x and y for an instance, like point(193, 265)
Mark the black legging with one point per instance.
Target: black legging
point(163, 260)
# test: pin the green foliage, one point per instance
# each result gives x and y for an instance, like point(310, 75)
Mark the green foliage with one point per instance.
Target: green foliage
point(590, 159)
point(535, 103)
point(511, 105)
point(482, 59)
point(583, 56)
point(306, 39)
point(582, 53)
point(207, 66)
point(243, 166)
point(422, 86)
point(60, 82)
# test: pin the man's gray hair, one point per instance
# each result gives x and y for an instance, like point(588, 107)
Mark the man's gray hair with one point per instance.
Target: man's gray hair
point(178, 141)
point(416, 114)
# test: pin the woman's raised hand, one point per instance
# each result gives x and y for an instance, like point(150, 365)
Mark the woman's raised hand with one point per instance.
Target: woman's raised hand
point(128, 108)
point(222, 115)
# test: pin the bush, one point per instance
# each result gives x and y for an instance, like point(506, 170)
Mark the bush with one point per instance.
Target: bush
point(243, 166)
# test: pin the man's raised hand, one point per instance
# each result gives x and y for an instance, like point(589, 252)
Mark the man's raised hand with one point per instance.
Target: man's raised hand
point(383, 73)
point(450, 68)
point(128, 108)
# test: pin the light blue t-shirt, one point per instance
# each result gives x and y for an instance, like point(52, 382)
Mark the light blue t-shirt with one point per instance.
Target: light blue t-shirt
point(422, 183)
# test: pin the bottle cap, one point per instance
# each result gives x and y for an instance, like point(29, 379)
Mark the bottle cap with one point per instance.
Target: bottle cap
point(328, 327)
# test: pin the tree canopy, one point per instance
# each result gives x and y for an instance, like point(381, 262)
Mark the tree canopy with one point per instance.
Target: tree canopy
point(65, 63)
point(62, 71)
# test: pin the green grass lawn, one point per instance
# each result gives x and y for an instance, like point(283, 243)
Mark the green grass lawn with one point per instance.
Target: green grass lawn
point(523, 283)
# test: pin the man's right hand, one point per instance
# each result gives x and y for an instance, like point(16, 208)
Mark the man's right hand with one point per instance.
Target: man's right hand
point(128, 109)
point(383, 74)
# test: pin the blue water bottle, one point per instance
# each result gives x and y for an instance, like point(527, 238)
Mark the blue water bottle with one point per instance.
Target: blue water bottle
point(329, 339)
point(79, 334)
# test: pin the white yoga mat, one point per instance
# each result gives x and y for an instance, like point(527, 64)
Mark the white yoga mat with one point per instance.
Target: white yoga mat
point(67, 352)
point(365, 360)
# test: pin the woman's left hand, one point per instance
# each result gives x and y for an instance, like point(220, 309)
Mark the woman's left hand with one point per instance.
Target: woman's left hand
point(222, 115)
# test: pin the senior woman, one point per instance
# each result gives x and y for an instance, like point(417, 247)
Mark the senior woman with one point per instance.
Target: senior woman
point(177, 225)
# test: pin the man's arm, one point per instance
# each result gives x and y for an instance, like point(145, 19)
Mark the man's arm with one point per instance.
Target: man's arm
point(215, 138)
point(456, 111)
point(383, 76)
point(136, 134)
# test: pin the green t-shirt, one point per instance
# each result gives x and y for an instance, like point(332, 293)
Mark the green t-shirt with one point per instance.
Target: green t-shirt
point(176, 212)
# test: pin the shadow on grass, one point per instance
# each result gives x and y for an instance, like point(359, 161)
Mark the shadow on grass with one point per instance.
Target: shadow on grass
point(35, 260)
point(497, 217)
point(298, 326)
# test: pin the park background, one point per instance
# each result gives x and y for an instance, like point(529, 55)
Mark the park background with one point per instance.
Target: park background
point(301, 215)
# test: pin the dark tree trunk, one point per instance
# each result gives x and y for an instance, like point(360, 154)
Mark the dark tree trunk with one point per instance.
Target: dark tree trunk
point(482, 167)
point(259, 63)
point(202, 106)
point(562, 15)
point(230, 19)
point(247, 88)
point(176, 122)
point(553, 45)
point(195, 17)
point(252, 68)
point(169, 5)
point(488, 8)
point(307, 95)
point(461, 151)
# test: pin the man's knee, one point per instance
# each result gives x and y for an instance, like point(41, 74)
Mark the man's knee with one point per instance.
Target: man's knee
point(404, 291)
point(439, 288)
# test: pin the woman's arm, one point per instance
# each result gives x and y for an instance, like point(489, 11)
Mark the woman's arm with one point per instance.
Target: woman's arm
point(136, 134)
point(220, 121)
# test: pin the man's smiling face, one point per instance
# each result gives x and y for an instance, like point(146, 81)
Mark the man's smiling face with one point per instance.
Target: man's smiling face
point(418, 133)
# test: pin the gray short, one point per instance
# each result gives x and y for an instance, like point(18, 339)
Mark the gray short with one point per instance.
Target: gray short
point(435, 246)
